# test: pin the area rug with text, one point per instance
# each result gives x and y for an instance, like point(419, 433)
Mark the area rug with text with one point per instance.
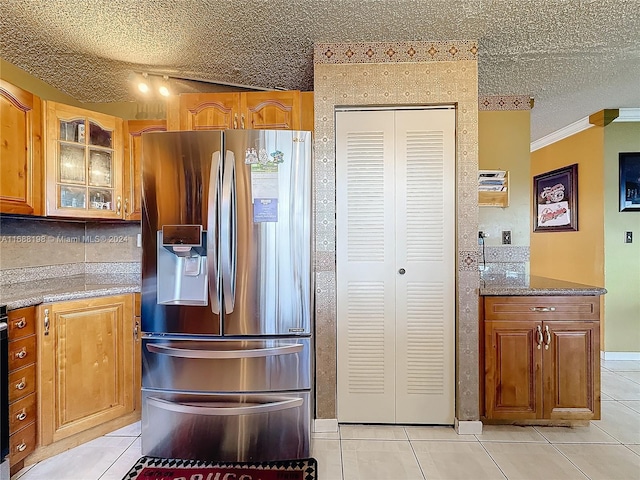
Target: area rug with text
point(152, 468)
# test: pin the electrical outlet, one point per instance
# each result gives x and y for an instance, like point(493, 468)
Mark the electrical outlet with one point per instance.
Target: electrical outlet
point(628, 237)
point(506, 237)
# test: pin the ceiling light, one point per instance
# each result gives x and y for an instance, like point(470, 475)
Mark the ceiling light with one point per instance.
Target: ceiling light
point(143, 84)
point(163, 89)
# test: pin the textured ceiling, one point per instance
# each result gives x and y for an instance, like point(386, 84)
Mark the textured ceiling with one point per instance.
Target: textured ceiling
point(574, 57)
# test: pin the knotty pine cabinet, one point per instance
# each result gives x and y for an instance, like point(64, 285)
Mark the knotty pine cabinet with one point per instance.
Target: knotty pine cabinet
point(87, 364)
point(83, 163)
point(22, 385)
point(133, 130)
point(541, 357)
point(272, 110)
point(20, 151)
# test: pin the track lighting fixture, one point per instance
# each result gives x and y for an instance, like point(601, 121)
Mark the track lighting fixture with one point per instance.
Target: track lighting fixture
point(149, 83)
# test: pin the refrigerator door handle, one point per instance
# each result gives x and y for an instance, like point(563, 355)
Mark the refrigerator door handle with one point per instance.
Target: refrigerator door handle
point(228, 232)
point(212, 223)
point(200, 408)
point(213, 354)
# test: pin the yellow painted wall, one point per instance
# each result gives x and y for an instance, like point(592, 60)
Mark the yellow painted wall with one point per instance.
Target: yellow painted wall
point(503, 144)
point(574, 256)
point(622, 260)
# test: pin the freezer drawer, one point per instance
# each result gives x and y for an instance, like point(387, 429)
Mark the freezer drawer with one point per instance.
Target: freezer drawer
point(254, 427)
point(219, 365)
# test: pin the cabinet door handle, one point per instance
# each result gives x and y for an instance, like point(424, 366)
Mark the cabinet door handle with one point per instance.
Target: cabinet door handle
point(22, 447)
point(543, 309)
point(135, 330)
point(242, 120)
point(21, 354)
point(539, 336)
point(21, 386)
point(126, 206)
point(235, 120)
point(547, 337)
point(46, 321)
point(118, 205)
point(21, 324)
point(22, 415)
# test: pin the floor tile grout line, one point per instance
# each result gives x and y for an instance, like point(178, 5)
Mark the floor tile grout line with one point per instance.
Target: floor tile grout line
point(415, 456)
point(133, 440)
point(569, 460)
point(493, 460)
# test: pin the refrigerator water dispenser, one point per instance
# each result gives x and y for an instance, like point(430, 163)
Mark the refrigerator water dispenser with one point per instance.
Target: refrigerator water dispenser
point(182, 265)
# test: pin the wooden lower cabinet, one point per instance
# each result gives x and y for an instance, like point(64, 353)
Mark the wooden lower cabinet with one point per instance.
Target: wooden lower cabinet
point(86, 364)
point(541, 358)
point(22, 385)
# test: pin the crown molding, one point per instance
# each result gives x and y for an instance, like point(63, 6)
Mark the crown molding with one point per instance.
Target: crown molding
point(628, 115)
point(564, 132)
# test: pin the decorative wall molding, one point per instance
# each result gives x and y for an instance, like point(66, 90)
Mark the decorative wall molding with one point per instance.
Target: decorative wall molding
point(504, 102)
point(395, 52)
point(564, 132)
point(628, 115)
point(625, 115)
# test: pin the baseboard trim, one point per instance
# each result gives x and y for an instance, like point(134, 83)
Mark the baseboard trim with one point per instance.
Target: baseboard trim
point(620, 355)
point(468, 427)
point(325, 425)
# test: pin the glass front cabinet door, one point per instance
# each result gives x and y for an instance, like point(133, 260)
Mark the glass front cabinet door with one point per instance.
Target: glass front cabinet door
point(83, 163)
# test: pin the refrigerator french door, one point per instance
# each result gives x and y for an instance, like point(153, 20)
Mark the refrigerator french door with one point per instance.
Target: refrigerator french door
point(227, 295)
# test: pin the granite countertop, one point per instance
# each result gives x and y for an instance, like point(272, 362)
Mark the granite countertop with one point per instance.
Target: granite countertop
point(508, 284)
point(35, 292)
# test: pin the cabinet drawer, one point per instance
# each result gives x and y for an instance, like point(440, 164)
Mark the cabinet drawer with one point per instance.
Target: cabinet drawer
point(22, 323)
point(542, 308)
point(22, 443)
point(22, 413)
point(22, 382)
point(22, 352)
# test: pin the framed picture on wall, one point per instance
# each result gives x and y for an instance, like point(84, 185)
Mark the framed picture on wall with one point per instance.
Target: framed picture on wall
point(555, 200)
point(629, 181)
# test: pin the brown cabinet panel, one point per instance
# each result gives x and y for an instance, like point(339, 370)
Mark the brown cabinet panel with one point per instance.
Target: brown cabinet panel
point(20, 151)
point(528, 308)
point(513, 370)
point(22, 323)
point(87, 365)
point(22, 352)
point(273, 110)
point(571, 370)
point(22, 413)
point(541, 358)
point(209, 111)
point(83, 163)
point(22, 382)
point(22, 443)
point(133, 130)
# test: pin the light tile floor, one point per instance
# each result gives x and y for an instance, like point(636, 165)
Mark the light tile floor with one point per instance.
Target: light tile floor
point(607, 449)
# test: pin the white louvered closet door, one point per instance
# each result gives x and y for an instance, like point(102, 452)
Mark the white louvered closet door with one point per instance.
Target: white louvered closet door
point(395, 194)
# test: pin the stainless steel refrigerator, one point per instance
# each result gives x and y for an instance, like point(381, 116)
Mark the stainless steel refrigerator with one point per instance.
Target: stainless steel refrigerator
point(227, 295)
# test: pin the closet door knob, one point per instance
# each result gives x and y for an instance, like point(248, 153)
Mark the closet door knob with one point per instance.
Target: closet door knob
point(402, 271)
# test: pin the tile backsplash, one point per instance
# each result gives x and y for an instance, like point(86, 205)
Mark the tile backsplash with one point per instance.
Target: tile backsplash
point(37, 242)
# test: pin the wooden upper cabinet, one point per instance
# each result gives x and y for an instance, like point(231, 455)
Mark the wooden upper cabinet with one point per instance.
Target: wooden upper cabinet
point(83, 163)
point(133, 130)
point(270, 110)
point(273, 110)
point(20, 151)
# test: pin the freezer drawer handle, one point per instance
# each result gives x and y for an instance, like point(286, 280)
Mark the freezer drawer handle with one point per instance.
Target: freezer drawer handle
point(201, 409)
point(213, 354)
